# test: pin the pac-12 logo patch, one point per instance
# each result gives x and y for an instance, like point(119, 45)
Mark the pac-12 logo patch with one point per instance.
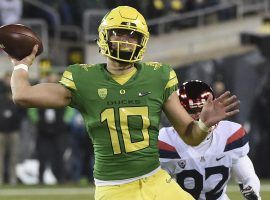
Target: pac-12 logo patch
point(102, 93)
point(182, 164)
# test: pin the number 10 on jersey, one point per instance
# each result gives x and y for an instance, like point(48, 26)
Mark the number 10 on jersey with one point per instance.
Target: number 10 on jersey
point(108, 115)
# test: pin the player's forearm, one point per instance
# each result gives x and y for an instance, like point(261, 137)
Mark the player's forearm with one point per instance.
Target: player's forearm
point(193, 134)
point(20, 86)
point(244, 173)
point(188, 129)
point(45, 95)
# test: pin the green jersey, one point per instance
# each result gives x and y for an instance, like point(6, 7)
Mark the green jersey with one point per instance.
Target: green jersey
point(122, 120)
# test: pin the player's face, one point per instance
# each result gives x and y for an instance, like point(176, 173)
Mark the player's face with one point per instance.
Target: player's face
point(126, 39)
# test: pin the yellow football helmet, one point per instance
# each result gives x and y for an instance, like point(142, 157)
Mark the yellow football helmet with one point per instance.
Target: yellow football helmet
point(128, 20)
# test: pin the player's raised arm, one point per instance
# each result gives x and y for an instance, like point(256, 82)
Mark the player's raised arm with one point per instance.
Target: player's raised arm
point(213, 110)
point(185, 126)
point(50, 95)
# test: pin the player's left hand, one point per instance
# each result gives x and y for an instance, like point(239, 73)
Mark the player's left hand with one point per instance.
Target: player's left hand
point(226, 105)
point(248, 193)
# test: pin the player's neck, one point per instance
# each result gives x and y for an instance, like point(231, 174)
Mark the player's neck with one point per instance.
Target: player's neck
point(117, 68)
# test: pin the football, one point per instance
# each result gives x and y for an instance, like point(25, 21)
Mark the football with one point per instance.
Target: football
point(18, 40)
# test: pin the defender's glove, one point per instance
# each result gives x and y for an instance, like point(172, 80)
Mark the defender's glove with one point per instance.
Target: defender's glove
point(248, 193)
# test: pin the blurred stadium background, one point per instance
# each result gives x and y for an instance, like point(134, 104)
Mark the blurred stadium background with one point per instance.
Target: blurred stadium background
point(224, 43)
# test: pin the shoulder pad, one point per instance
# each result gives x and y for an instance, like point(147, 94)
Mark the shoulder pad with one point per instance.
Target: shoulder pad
point(237, 136)
point(229, 128)
point(166, 144)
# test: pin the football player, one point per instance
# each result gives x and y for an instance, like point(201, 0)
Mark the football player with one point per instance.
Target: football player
point(121, 102)
point(204, 170)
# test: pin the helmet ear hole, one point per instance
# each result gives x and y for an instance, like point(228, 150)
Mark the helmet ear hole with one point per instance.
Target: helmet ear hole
point(193, 94)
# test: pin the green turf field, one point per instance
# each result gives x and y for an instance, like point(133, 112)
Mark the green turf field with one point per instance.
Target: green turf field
point(234, 194)
point(87, 193)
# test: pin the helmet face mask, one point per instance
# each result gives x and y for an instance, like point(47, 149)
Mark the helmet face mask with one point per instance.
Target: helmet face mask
point(128, 22)
point(193, 95)
point(134, 35)
point(124, 43)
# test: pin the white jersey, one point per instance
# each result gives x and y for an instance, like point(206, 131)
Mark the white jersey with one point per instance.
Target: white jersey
point(204, 170)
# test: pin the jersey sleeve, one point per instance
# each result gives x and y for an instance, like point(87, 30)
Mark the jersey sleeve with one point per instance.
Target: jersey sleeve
point(168, 155)
point(171, 84)
point(68, 80)
point(237, 141)
point(245, 174)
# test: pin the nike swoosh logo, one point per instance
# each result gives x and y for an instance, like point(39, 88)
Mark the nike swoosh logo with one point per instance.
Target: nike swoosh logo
point(141, 94)
point(217, 159)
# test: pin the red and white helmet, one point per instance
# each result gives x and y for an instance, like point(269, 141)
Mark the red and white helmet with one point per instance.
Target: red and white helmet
point(193, 94)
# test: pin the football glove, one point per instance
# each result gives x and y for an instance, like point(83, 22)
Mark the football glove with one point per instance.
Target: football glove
point(248, 192)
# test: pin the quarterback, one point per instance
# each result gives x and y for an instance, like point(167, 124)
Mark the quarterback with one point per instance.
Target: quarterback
point(121, 102)
point(204, 170)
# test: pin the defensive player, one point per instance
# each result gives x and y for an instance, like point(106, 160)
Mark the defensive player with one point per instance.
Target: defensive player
point(121, 102)
point(205, 170)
